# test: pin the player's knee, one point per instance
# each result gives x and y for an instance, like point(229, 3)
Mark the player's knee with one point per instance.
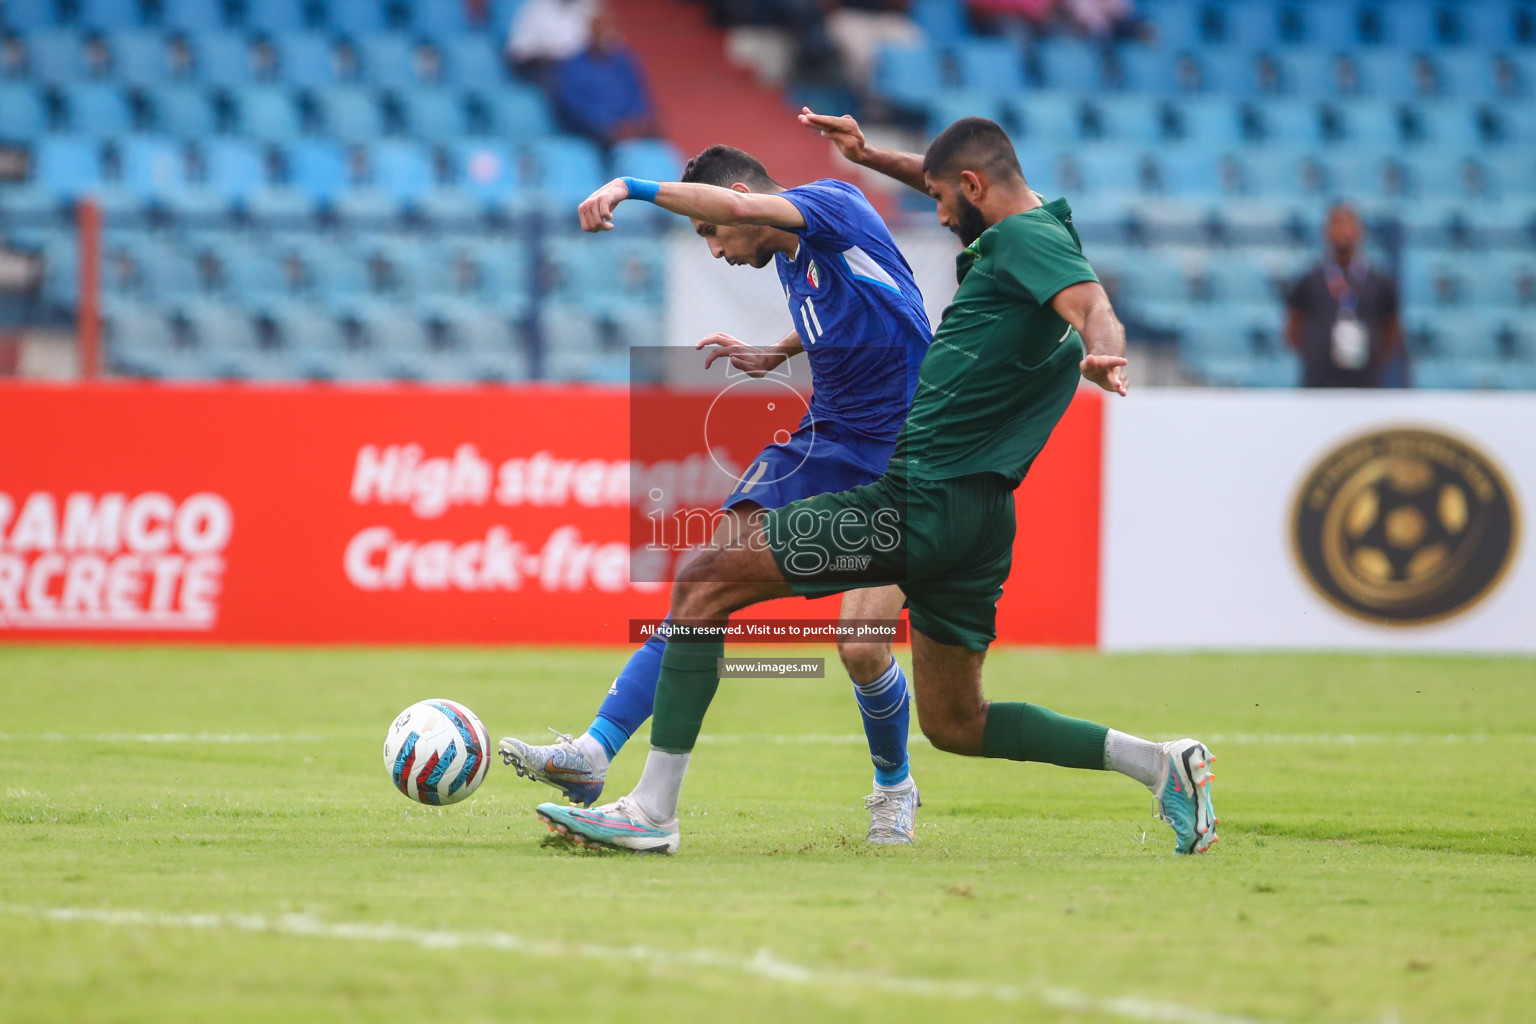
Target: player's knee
point(949, 733)
point(864, 661)
point(697, 594)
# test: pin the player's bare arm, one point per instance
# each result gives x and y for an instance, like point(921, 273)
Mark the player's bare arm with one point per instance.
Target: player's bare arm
point(709, 203)
point(751, 359)
point(844, 133)
point(1086, 307)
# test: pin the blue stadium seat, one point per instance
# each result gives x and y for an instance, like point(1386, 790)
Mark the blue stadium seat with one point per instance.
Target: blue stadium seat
point(1226, 72)
point(56, 56)
point(280, 205)
point(252, 279)
point(1489, 26)
point(108, 15)
point(450, 208)
point(402, 169)
point(1466, 74)
point(1331, 24)
point(1408, 26)
point(1388, 74)
point(305, 330)
point(1147, 71)
point(182, 110)
point(366, 207)
point(433, 115)
point(356, 17)
point(438, 22)
point(388, 61)
point(1296, 122)
point(566, 168)
point(28, 15)
point(907, 76)
point(1190, 171)
point(305, 60)
point(1071, 64)
point(1213, 121)
point(1108, 168)
point(275, 17)
point(1307, 73)
point(1251, 26)
point(140, 340)
point(518, 114)
point(1448, 125)
point(218, 326)
point(152, 165)
point(488, 170)
point(990, 65)
point(1048, 118)
point(943, 21)
point(96, 109)
point(266, 112)
point(317, 169)
point(1372, 123)
point(192, 15)
point(1133, 119)
point(24, 114)
point(472, 62)
point(234, 168)
point(222, 58)
point(350, 113)
point(651, 159)
point(949, 105)
point(138, 58)
point(1179, 24)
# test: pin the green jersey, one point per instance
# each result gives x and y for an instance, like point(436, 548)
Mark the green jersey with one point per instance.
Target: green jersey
point(1003, 365)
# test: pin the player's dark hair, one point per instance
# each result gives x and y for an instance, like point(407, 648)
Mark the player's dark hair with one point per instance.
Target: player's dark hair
point(725, 166)
point(973, 144)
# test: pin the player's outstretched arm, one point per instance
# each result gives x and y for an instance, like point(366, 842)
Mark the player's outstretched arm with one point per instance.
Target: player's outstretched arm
point(751, 360)
point(1086, 307)
point(709, 203)
point(844, 133)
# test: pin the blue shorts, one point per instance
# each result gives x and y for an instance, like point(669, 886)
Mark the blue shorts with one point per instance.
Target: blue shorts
point(811, 462)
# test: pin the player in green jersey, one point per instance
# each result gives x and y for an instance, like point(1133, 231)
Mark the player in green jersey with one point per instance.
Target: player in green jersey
point(1029, 319)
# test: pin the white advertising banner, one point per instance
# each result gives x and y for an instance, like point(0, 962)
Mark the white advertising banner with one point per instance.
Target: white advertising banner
point(1329, 520)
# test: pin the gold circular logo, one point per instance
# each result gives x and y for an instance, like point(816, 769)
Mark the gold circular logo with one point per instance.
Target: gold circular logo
point(1401, 527)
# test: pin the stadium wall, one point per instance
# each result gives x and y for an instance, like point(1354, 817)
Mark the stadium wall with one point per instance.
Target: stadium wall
point(391, 515)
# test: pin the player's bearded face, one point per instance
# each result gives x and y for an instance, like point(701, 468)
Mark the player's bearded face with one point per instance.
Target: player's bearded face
point(742, 244)
point(968, 222)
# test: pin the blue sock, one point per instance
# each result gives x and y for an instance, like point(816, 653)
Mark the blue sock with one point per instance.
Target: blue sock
point(630, 698)
point(887, 711)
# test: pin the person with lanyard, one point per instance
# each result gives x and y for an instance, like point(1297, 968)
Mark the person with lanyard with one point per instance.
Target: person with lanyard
point(1343, 315)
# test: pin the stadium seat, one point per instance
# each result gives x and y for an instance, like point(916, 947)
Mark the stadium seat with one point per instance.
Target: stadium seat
point(518, 114)
point(1225, 72)
point(1489, 26)
point(1378, 124)
point(1251, 26)
point(438, 22)
point(356, 18)
point(55, 57)
point(233, 168)
point(138, 58)
point(1335, 24)
point(1071, 64)
point(96, 109)
point(472, 62)
point(139, 339)
point(317, 169)
point(266, 112)
point(1108, 168)
point(305, 60)
point(1212, 121)
point(402, 169)
point(949, 105)
point(1467, 74)
point(24, 114)
point(435, 115)
point(906, 76)
point(487, 170)
point(251, 279)
point(1192, 171)
point(1307, 73)
point(1388, 74)
point(1291, 122)
point(67, 166)
point(107, 15)
point(275, 17)
point(185, 111)
point(29, 15)
point(652, 159)
point(152, 165)
point(219, 327)
point(1048, 118)
point(1179, 24)
point(990, 65)
point(1139, 120)
point(222, 58)
point(192, 15)
point(566, 168)
point(350, 113)
point(1146, 70)
point(1447, 126)
point(388, 61)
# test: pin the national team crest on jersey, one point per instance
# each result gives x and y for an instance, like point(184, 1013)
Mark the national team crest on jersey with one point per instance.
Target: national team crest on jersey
point(813, 275)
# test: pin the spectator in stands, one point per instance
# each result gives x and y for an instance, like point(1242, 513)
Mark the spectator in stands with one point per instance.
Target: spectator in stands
point(546, 32)
point(1343, 315)
point(600, 93)
point(803, 21)
point(859, 28)
point(1020, 18)
point(1104, 20)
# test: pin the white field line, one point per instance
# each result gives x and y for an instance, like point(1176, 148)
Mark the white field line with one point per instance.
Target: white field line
point(764, 965)
point(163, 737)
point(1235, 739)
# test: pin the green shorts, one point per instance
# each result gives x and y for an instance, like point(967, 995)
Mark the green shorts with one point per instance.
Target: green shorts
point(947, 543)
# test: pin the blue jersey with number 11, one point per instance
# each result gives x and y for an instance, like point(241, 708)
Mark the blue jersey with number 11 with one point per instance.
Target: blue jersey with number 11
point(857, 310)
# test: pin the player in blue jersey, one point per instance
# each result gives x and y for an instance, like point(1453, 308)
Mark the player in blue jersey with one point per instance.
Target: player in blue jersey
point(859, 318)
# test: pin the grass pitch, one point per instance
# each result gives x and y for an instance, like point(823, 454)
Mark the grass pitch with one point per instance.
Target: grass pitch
point(198, 834)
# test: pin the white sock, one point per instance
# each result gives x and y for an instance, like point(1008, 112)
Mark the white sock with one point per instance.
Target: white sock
point(1141, 759)
point(593, 749)
point(660, 784)
point(905, 785)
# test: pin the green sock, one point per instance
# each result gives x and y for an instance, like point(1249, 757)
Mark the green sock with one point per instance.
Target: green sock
point(689, 679)
point(1026, 732)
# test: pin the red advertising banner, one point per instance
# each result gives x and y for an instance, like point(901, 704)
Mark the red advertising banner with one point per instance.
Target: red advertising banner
point(393, 515)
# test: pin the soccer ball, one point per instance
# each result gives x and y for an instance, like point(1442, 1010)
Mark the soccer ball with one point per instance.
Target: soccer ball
point(436, 752)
